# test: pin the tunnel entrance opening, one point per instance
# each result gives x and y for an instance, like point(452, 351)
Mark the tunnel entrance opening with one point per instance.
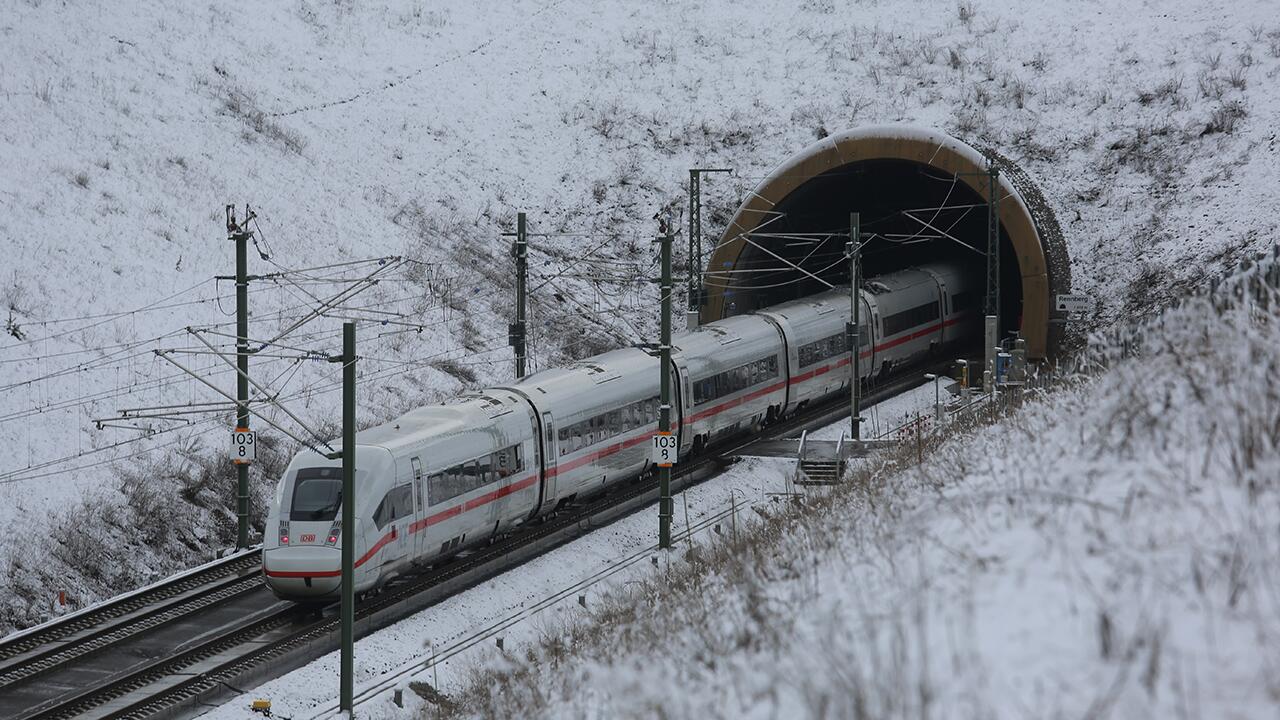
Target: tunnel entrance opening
point(922, 197)
point(910, 214)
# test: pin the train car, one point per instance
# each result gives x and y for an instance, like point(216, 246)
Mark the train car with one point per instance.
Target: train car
point(440, 478)
point(428, 483)
point(961, 302)
point(733, 376)
point(818, 344)
point(596, 419)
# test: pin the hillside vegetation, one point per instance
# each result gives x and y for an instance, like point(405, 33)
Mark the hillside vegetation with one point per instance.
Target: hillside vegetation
point(1106, 550)
point(362, 130)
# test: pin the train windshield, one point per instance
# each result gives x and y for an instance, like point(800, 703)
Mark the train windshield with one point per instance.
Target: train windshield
point(317, 494)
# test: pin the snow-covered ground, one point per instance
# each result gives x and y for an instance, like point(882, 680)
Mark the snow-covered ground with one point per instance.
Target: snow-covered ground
point(401, 654)
point(1107, 550)
point(362, 130)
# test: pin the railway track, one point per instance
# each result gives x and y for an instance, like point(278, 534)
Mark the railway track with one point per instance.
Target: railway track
point(203, 637)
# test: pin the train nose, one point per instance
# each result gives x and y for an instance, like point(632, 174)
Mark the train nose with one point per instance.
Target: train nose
point(303, 572)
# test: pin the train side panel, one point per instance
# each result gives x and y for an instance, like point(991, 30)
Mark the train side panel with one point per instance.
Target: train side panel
point(735, 372)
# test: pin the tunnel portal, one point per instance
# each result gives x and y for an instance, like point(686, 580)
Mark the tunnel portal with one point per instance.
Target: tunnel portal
point(921, 197)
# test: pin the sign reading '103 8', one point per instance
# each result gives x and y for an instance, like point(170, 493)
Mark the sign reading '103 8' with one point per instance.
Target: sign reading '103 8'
point(244, 446)
point(665, 450)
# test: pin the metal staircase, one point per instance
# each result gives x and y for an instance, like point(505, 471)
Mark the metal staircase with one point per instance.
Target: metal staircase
point(816, 464)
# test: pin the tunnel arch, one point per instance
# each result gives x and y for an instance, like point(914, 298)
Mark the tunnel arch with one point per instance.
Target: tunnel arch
point(889, 174)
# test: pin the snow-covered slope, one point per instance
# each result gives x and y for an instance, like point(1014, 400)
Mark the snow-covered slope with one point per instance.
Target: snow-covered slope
point(1108, 550)
point(361, 130)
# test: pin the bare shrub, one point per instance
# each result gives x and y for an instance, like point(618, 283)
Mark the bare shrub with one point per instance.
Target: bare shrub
point(1212, 61)
point(81, 179)
point(966, 12)
point(457, 370)
point(969, 120)
point(1168, 91)
point(241, 104)
point(1211, 86)
point(43, 90)
point(927, 49)
point(1237, 78)
point(1223, 118)
point(1017, 92)
point(954, 59)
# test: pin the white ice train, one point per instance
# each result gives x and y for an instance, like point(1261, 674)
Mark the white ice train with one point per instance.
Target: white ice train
point(440, 478)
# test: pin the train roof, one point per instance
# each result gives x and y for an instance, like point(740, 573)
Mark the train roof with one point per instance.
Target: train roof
point(456, 416)
point(586, 373)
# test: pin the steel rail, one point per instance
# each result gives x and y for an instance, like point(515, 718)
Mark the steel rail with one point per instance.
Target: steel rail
point(62, 629)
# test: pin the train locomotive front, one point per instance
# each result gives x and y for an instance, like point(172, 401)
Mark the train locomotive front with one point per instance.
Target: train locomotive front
point(428, 484)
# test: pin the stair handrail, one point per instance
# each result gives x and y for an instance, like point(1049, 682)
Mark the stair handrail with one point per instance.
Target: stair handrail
point(840, 448)
point(804, 435)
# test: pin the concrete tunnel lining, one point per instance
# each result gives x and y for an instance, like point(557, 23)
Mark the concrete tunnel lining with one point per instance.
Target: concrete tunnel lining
point(1030, 233)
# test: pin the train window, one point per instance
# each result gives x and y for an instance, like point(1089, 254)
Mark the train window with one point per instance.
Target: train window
point(826, 348)
point(382, 515)
point(435, 484)
point(454, 482)
point(404, 501)
point(317, 494)
point(900, 322)
point(485, 474)
point(471, 477)
point(398, 503)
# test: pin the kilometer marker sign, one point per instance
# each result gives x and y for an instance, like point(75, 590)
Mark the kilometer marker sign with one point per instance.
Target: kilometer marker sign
point(665, 452)
point(244, 446)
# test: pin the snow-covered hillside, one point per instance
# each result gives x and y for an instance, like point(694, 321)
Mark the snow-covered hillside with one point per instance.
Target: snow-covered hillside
point(1108, 550)
point(361, 130)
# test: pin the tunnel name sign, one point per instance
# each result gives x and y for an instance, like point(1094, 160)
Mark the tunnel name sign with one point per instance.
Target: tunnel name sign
point(1072, 303)
point(665, 450)
point(244, 446)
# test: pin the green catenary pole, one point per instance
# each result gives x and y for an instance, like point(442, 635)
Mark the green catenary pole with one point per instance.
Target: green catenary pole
point(521, 252)
point(854, 329)
point(695, 241)
point(241, 238)
point(348, 609)
point(993, 241)
point(664, 408)
point(695, 236)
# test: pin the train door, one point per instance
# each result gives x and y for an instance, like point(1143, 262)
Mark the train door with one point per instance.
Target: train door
point(681, 407)
point(868, 333)
point(420, 508)
point(550, 456)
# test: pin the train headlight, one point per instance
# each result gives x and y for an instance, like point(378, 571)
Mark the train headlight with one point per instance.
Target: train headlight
point(335, 532)
point(284, 532)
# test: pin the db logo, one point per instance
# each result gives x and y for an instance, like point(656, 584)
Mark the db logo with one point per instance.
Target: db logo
point(308, 537)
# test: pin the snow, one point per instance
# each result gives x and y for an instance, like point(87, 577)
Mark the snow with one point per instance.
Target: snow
point(449, 627)
point(1108, 549)
point(362, 130)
